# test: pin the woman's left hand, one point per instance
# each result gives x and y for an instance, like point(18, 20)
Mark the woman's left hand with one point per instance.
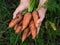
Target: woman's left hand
point(41, 12)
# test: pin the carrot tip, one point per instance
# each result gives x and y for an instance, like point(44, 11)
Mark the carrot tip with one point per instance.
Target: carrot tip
point(9, 27)
point(33, 37)
point(22, 41)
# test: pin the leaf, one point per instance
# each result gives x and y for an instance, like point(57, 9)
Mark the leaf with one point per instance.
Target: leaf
point(33, 5)
point(53, 26)
point(12, 36)
point(25, 11)
point(46, 24)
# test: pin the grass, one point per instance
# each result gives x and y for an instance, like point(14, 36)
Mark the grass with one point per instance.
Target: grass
point(50, 30)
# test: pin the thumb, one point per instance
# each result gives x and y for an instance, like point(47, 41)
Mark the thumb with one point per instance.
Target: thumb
point(16, 11)
point(20, 8)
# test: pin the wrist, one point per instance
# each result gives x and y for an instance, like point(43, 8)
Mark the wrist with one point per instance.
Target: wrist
point(42, 4)
point(42, 9)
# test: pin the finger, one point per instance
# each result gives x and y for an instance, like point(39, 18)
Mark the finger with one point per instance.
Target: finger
point(38, 29)
point(26, 2)
point(41, 12)
point(16, 11)
point(20, 8)
point(15, 26)
point(14, 16)
point(40, 20)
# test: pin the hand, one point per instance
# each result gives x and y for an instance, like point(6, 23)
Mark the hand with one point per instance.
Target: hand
point(41, 12)
point(22, 6)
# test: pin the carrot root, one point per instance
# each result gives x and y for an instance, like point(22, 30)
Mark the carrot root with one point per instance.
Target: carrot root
point(15, 21)
point(26, 20)
point(33, 30)
point(35, 18)
point(17, 31)
point(24, 35)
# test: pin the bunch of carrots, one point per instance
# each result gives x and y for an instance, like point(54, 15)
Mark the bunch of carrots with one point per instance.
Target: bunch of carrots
point(26, 23)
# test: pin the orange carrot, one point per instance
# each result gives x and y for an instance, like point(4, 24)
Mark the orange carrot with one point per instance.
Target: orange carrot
point(17, 31)
point(24, 35)
point(35, 18)
point(26, 20)
point(15, 21)
point(33, 30)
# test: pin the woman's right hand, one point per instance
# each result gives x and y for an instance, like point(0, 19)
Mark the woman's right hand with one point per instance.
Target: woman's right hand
point(22, 6)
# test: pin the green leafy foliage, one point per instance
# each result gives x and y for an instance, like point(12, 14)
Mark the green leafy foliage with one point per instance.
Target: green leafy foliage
point(33, 5)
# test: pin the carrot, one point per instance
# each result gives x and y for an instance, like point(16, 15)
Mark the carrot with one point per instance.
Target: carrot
point(33, 29)
point(35, 18)
point(24, 35)
point(15, 21)
point(26, 20)
point(17, 31)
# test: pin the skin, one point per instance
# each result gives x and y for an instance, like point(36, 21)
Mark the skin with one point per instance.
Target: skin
point(24, 5)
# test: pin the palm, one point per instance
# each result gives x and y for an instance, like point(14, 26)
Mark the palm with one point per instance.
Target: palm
point(22, 6)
